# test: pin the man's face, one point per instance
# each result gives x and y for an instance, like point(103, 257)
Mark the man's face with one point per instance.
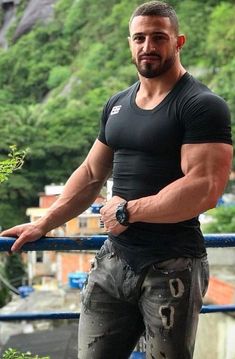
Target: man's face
point(154, 45)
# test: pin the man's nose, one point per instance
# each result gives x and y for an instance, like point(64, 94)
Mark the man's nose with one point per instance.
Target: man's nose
point(148, 46)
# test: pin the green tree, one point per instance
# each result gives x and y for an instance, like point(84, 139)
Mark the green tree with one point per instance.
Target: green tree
point(12, 267)
point(223, 220)
point(4, 291)
point(14, 162)
point(221, 50)
point(192, 15)
point(15, 269)
point(220, 39)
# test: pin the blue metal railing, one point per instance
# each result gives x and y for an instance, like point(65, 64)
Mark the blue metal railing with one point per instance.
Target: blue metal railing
point(57, 243)
point(90, 243)
point(206, 309)
point(95, 242)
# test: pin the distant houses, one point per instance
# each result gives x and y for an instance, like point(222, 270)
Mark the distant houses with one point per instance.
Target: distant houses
point(52, 269)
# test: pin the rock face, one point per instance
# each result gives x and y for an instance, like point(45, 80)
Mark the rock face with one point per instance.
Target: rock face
point(8, 19)
point(36, 11)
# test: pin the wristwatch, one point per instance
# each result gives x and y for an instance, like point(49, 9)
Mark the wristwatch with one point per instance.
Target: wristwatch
point(122, 214)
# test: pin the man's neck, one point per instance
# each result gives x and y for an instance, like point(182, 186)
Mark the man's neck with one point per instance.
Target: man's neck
point(153, 91)
point(160, 85)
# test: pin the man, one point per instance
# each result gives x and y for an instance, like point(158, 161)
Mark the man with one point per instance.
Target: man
point(168, 140)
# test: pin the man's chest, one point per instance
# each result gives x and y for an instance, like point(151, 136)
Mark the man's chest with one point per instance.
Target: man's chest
point(149, 131)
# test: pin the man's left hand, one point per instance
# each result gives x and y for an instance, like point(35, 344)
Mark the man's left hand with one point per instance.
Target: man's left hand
point(108, 216)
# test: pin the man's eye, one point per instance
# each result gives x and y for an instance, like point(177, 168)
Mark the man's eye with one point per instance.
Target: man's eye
point(159, 38)
point(138, 38)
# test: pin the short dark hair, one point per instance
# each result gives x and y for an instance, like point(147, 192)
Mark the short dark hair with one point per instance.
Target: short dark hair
point(157, 8)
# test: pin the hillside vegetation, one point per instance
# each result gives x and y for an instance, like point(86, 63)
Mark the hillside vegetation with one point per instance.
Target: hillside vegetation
point(55, 80)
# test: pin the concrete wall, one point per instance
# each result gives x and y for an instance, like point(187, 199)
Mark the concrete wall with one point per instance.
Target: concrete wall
point(216, 337)
point(221, 256)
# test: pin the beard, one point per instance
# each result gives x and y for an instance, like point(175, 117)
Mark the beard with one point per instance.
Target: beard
point(151, 70)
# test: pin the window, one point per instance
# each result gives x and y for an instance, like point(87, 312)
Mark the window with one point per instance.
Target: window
point(39, 257)
point(82, 222)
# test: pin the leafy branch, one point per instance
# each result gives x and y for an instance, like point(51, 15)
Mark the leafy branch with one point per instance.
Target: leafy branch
point(14, 354)
point(13, 163)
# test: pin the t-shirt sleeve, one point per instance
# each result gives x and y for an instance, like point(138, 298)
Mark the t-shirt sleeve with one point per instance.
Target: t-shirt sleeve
point(206, 118)
point(103, 120)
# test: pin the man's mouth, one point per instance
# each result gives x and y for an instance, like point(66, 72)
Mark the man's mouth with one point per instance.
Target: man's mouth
point(149, 58)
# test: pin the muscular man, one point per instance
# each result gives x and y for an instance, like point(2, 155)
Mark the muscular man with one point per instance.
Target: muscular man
point(168, 140)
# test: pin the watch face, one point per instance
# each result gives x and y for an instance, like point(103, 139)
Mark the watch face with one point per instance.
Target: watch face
point(122, 214)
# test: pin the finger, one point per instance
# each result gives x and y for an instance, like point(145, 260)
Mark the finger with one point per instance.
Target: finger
point(9, 233)
point(18, 244)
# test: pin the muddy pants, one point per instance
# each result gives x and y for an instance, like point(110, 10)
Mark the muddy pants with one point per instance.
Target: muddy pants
point(118, 306)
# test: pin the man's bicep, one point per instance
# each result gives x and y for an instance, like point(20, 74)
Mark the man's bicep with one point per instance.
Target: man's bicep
point(211, 160)
point(100, 159)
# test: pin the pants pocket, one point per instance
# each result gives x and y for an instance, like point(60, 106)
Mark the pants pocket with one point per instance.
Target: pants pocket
point(173, 265)
point(86, 293)
point(205, 275)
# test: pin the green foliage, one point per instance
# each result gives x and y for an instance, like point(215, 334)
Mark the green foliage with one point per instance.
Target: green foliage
point(4, 292)
point(4, 295)
point(223, 82)
point(15, 354)
point(220, 40)
point(15, 162)
point(27, 63)
point(192, 16)
point(57, 76)
point(14, 269)
point(12, 272)
point(223, 220)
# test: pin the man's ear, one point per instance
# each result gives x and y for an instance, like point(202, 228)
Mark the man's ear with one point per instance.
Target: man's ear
point(180, 41)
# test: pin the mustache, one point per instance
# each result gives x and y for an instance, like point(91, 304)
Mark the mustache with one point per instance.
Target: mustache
point(150, 54)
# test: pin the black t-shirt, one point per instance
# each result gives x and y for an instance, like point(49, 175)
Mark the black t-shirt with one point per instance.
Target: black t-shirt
point(147, 146)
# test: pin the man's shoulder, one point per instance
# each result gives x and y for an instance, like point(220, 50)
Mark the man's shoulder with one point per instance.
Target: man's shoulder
point(196, 92)
point(191, 86)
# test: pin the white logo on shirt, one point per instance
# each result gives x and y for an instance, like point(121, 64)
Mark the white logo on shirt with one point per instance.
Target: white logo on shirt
point(115, 110)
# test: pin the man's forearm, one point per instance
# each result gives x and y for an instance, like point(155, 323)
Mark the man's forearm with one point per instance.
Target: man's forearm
point(79, 193)
point(179, 201)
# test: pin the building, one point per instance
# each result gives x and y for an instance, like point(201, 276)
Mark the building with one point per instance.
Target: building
point(47, 268)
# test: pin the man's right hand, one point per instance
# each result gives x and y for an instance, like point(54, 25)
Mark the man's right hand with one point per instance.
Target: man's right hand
point(28, 232)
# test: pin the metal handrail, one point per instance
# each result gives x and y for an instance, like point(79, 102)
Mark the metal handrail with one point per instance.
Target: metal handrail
point(57, 243)
point(95, 242)
point(206, 309)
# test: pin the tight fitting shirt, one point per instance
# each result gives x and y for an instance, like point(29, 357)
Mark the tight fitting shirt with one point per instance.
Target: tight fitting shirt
point(147, 157)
